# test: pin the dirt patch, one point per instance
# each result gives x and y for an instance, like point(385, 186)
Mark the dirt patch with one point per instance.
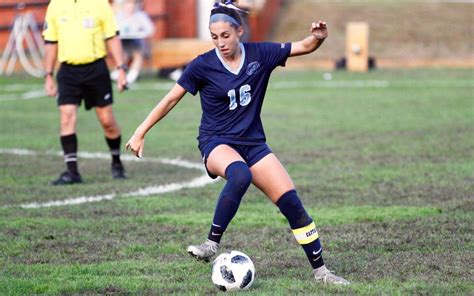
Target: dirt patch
point(425, 249)
point(103, 243)
point(110, 290)
point(431, 248)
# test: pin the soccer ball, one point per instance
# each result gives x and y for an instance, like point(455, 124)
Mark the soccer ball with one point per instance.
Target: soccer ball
point(232, 271)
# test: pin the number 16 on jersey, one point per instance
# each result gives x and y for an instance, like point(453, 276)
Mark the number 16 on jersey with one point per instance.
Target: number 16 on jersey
point(244, 95)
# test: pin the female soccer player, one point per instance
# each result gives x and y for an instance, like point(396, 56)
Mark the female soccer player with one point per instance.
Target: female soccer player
point(232, 81)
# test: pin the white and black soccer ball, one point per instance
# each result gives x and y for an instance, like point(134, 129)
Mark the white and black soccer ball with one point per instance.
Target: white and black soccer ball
point(232, 271)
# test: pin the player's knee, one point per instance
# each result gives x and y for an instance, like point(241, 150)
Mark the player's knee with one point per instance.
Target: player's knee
point(291, 207)
point(239, 175)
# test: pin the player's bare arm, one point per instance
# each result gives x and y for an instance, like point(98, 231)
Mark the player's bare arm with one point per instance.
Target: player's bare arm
point(51, 53)
point(136, 143)
point(115, 48)
point(319, 32)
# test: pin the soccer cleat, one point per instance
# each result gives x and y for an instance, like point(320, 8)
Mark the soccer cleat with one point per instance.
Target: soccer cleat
point(118, 172)
point(67, 178)
point(204, 251)
point(325, 276)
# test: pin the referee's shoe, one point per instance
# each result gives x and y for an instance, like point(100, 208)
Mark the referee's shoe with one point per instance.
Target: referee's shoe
point(118, 172)
point(67, 178)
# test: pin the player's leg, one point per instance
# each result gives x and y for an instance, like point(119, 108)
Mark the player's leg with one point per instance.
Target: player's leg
point(227, 163)
point(112, 137)
point(68, 138)
point(271, 178)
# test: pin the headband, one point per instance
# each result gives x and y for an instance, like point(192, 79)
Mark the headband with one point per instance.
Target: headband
point(218, 17)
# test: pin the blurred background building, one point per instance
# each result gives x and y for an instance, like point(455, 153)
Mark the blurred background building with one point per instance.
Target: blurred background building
point(400, 34)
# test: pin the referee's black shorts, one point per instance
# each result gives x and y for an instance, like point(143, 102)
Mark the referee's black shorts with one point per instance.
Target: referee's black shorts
point(90, 82)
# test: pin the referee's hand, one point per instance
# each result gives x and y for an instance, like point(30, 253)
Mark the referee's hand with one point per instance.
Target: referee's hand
point(122, 80)
point(50, 86)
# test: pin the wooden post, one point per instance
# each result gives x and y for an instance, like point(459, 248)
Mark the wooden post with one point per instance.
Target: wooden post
point(357, 46)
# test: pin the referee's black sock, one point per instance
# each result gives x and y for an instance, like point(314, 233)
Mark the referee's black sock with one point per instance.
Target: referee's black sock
point(69, 145)
point(114, 146)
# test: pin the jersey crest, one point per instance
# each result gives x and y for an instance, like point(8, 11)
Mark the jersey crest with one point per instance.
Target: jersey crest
point(252, 68)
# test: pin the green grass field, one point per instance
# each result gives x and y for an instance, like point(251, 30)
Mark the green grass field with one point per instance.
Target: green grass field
point(384, 162)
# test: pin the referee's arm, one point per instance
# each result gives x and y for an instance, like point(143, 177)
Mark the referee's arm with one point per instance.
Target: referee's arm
point(50, 56)
point(114, 46)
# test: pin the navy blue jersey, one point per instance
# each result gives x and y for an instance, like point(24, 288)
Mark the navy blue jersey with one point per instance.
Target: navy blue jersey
point(231, 101)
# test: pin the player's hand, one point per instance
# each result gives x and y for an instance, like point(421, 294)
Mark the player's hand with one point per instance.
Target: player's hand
point(136, 145)
point(122, 81)
point(50, 86)
point(319, 30)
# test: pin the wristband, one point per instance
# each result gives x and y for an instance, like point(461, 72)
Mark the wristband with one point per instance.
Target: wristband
point(123, 67)
point(48, 74)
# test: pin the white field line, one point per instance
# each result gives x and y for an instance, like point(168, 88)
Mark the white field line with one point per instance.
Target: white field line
point(147, 191)
point(35, 93)
point(9, 98)
point(329, 84)
point(150, 190)
point(287, 84)
point(100, 155)
point(296, 84)
point(15, 87)
point(29, 92)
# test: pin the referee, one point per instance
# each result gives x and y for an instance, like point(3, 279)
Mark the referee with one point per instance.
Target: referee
point(79, 33)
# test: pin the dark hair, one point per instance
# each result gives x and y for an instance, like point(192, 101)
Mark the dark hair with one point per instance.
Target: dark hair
point(227, 11)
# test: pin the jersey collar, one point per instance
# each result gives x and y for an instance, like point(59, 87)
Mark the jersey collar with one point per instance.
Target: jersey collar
point(237, 71)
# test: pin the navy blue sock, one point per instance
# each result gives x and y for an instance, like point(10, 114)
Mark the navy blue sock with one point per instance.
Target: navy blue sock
point(238, 177)
point(302, 226)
